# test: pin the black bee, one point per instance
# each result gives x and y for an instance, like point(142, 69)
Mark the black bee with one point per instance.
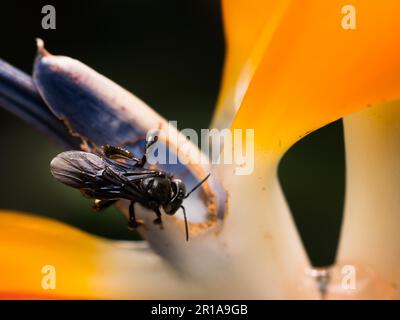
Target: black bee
point(114, 174)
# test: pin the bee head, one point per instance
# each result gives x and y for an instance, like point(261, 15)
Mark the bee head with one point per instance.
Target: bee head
point(178, 194)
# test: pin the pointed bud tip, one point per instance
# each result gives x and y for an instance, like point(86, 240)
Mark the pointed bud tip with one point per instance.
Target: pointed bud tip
point(41, 51)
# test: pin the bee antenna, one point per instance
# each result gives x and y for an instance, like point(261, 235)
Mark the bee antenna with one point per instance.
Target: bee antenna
point(197, 186)
point(186, 223)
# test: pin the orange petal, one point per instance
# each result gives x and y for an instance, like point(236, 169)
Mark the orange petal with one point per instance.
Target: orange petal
point(313, 71)
point(249, 27)
point(85, 266)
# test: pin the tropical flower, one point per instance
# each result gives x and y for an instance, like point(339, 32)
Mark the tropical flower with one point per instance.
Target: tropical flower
point(290, 69)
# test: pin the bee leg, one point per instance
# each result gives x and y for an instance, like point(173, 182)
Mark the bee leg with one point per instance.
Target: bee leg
point(149, 142)
point(158, 220)
point(99, 204)
point(112, 152)
point(133, 223)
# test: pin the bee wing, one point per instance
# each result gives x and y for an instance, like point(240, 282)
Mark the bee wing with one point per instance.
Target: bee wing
point(128, 181)
point(76, 168)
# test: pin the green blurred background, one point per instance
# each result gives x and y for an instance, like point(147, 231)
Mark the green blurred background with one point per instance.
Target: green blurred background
point(170, 54)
